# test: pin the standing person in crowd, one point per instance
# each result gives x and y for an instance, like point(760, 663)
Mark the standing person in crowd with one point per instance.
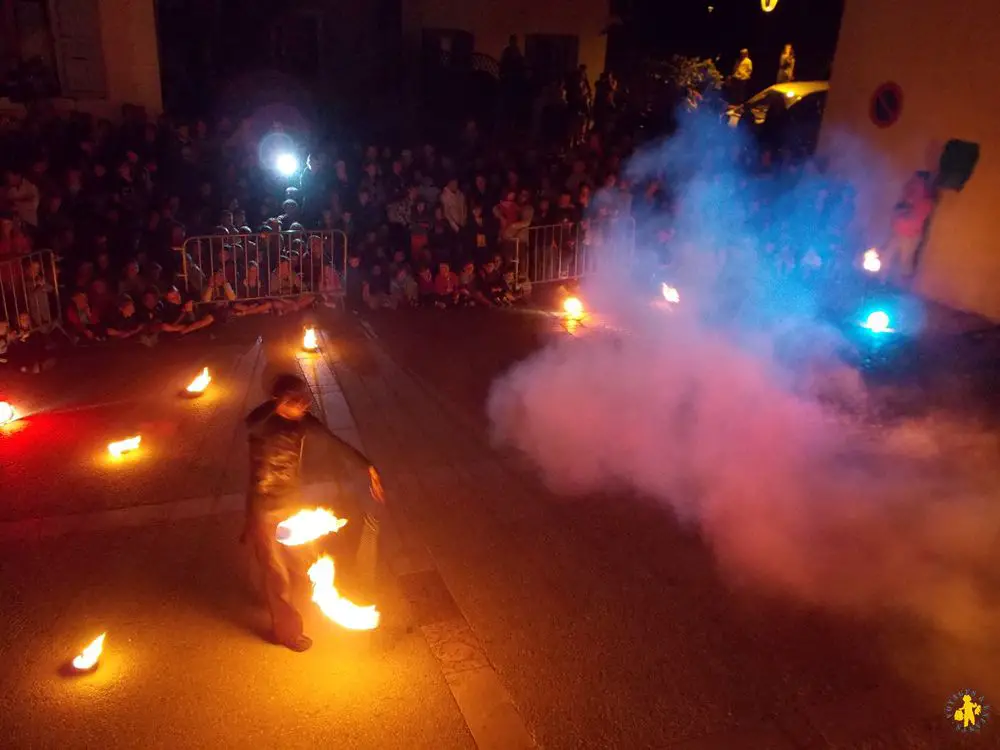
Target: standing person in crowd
point(786, 65)
point(23, 197)
point(455, 209)
point(909, 220)
point(740, 79)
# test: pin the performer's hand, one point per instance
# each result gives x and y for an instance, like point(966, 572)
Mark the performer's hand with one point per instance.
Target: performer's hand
point(375, 486)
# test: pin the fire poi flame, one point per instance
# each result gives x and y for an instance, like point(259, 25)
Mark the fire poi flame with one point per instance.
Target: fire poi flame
point(307, 526)
point(87, 659)
point(309, 341)
point(670, 294)
point(7, 413)
point(127, 445)
point(573, 307)
point(342, 611)
point(200, 383)
point(871, 262)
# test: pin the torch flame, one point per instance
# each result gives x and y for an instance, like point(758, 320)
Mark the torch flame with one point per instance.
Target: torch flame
point(89, 656)
point(342, 611)
point(670, 294)
point(124, 446)
point(307, 526)
point(573, 307)
point(200, 383)
point(7, 413)
point(872, 263)
point(309, 342)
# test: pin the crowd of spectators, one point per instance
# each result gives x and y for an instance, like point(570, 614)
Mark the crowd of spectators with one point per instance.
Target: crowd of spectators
point(372, 225)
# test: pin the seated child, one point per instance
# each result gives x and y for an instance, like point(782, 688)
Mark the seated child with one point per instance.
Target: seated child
point(403, 288)
point(513, 294)
point(124, 323)
point(179, 315)
point(445, 286)
point(468, 287)
point(378, 288)
point(150, 314)
point(24, 348)
point(491, 283)
point(425, 287)
point(251, 290)
point(83, 323)
point(287, 282)
point(38, 289)
point(219, 295)
point(355, 283)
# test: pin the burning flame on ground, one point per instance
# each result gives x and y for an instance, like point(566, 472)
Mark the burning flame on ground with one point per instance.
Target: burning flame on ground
point(200, 383)
point(7, 413)
point(342, 611)
point(872, 263)
point(573, 307)
point(124, 446)
point(307, 526)
point(87, 658)
point(670, 294)
point(309, 341)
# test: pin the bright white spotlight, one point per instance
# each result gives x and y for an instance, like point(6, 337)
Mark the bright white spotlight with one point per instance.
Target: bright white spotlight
point(871, 262)
point(286, 164)
point(878, 322)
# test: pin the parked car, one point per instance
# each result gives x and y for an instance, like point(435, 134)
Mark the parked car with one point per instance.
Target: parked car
point(785, 95)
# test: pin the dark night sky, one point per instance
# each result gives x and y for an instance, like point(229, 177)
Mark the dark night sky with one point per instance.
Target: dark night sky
point(687, 27)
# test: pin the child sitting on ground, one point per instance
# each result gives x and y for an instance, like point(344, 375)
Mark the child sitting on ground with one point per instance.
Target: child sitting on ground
point(491, 284)
point(179, 315)
point(468, 289)
point(84, 325)
point(378, 288)
point(445, 286)
point(24, 348)
point(403, 289)
point(425, 287)
point(252, 290)
point(38, 289)
point(124, 324)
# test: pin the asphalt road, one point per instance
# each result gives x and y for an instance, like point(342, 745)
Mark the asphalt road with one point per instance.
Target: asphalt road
point(609, 622)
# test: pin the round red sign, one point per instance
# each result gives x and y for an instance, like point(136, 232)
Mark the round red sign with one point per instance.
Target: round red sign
point(886, 105)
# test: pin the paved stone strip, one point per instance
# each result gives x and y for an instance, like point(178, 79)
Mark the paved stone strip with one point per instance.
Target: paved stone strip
point(485, 704)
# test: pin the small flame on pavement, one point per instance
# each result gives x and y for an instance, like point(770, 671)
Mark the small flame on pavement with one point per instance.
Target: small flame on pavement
point(872, 263)
point(307, 526)
point(127, 445)
point(309, 341)
point(573, 307)
point(200, 383)
point(342, 611)
point(87, 659)
point(670, 294)
point(7, 413)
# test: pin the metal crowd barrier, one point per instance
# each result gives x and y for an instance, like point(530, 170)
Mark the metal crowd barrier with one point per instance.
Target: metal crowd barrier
point(265, 265)
point(29, 293)
point(571, 250)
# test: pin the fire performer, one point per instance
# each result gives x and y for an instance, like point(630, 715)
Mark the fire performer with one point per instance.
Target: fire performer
point(278, 429)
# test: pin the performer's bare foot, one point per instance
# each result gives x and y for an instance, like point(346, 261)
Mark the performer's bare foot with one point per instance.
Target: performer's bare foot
point(300, 644)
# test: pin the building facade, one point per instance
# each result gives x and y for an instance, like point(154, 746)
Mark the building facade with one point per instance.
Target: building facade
point(907, 80)
point(96, 54)
point(560, 35)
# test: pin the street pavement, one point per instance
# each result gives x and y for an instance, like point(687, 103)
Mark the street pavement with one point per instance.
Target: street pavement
point(513, 616)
